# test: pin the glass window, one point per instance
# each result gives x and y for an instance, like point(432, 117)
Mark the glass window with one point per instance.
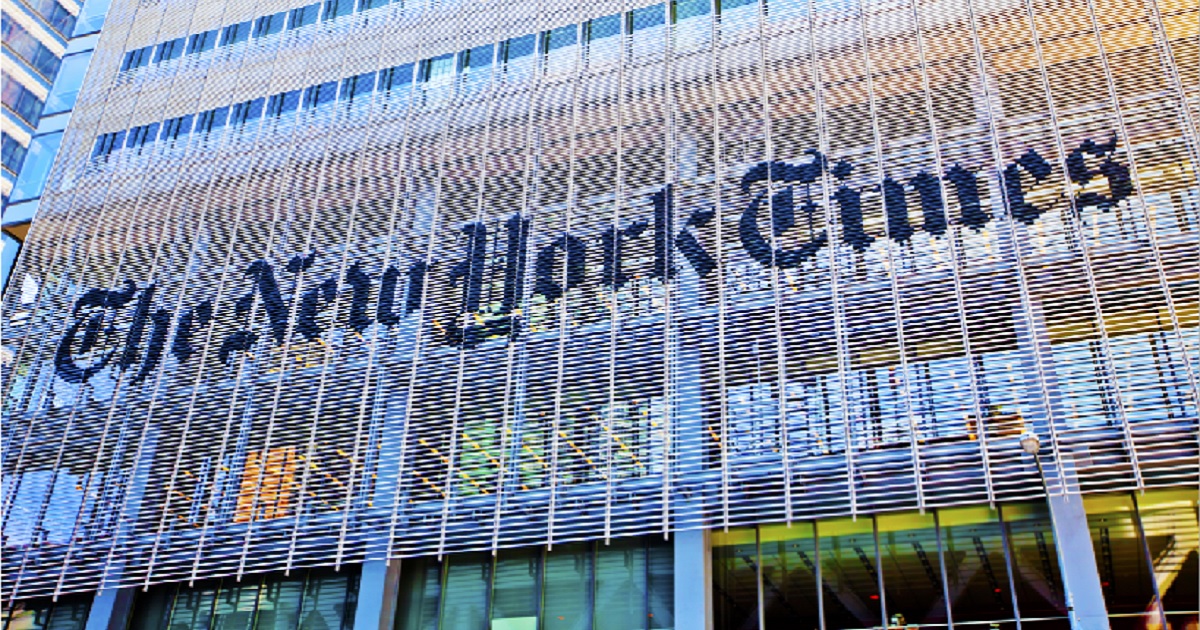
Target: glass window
point(648, 17)
point(243, 113)
point(438, 68)
point(600, 28)
point(725, 5)
point(22, 101)
point(354, 87)
point(337, 8)
point(176, 127)
point(44, 60)
point(91, 17)
point(420, 594)
point(13, 152)
point(519, 47)
point(516, 593)
point(561, 38)
point(139, 136)
point(135, 59)
point(396, 77)
point(270, 24)
point(212, 119)
point(235, 33)
point(318, 95)
point(32, 181)
point(478, 57)
point(280, 104)
point(201, 42)
point(364, 5)
point(568, 587)
point(170, 49)
point(465, 602)
point(107, 143)
point(684, 9)
point(303, 16)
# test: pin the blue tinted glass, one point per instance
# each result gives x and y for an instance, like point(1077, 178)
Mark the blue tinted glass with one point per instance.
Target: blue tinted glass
point(600, 28)
point(245, 112)
point(270, 24)
point(176, 127)
point(303, 16)
point(337, 8)
point(397, 77)
point(648, 17)
point(170, 50)
point(280, 104)
point(363, 5)
point(320, 94)
point(201, 42)
point(213, 119)
point(519, 47)
point(479, 57)
point(733, 4)
point(36, 167)
point(439, 66)
point(357, 86)
point(685, 9)
point(561, 37)
point(235, 33)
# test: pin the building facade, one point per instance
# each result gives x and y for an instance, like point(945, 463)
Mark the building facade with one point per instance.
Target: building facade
point(483, 314)
point(47, 49)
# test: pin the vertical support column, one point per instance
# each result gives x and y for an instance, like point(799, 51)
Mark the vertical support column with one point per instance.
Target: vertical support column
point(377, 592)
point(1077, 562)
point(693, 580)
point(111, 609)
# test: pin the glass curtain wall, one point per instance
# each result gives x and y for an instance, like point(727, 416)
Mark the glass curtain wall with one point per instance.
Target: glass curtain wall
point(959, 566)
point(309, 600)
point(68, 613)
point(625, 584)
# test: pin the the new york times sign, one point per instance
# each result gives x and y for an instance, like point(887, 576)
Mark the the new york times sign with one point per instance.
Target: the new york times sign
point(559, 265)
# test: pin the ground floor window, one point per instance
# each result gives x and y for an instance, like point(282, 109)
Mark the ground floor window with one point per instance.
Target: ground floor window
point(974, 566)
point(316, 599)
point(622, 585)
point(68, 613)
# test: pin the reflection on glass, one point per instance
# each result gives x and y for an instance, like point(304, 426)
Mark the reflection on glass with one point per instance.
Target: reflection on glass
point(976, 569)
point(465, 605)
point(912, 569)
point(567, 601)
point(790, 596)
point(1035, 562)
point(849, 573)
point(735, 598)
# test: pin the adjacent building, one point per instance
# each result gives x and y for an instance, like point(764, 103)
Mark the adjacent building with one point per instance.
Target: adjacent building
point(618, 314)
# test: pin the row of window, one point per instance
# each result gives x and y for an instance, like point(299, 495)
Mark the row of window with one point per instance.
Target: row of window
point(433, 70)
point(55, 14)
point(12, 153)
point(26, 46)
point(20, 100)
point(295, 18)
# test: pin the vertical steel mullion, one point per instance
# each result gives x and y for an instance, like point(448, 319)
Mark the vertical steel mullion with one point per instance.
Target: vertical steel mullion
point(817, 574)
point(893, 282)
point(955, 256)
point(516, 377)
point(563, 313)
point(614, 326)
point(452, 453)
point(1008, 563)
point(879, 570)
point(714, 38)
point(937, 533)
point(670, 348)
point(776, 273)
point(1149, 559)
point(843, 352)
point(759, 578)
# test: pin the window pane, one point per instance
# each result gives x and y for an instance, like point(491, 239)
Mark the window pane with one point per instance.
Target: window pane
point(37, 165)
point(568, 586)
point(468, 579)
point(515, 595)
point(279, 604)
point(303, 16)
point(234, 608)
point(519, 47)
point(328, 601)
point(561, 37)
point(621, 584)
point(600, 28)
point(420, 594)
point(648, 17)
point(685, 9)
point(912, 573)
